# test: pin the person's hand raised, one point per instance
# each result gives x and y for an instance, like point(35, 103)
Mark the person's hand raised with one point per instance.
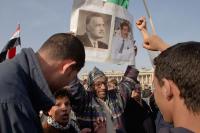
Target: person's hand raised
point(141, 23)
point(151, 42)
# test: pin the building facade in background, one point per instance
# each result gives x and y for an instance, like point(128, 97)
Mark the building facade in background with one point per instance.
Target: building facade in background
point(145, 76)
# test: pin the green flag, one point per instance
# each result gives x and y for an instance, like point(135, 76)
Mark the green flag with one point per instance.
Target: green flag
point(123, 3)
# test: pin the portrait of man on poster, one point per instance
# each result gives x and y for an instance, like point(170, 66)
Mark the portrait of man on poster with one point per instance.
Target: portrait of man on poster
point(123, 45)
point(94, 32)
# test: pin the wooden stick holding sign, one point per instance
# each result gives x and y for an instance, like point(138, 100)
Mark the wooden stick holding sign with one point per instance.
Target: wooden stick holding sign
point(152, 54)
point(149, 16)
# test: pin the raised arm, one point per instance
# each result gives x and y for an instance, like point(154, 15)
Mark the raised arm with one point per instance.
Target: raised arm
point(151, 42)
point(128, 83)
point(79, 96)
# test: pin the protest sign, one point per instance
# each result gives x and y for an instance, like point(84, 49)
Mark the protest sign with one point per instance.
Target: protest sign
point(105, 29)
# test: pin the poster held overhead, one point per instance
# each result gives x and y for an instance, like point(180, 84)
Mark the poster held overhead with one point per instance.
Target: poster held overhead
point(97, 24)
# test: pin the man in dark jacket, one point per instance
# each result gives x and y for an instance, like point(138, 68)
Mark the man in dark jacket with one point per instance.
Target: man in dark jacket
point(28, 80)
point(95, 32)
point(137, 114)
point(176, 82)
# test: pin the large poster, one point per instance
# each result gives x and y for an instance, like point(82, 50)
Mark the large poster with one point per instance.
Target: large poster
point(105, 29)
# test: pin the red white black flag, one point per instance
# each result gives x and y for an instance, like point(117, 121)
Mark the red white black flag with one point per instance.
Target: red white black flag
point(9, 51)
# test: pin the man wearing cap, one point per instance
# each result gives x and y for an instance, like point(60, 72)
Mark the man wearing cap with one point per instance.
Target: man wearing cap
point(99, 105)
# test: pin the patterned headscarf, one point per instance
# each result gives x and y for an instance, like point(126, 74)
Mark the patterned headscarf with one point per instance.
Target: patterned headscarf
point(93, 75)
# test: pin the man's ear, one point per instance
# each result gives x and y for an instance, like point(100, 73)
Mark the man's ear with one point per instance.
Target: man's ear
point(167, 89)
point(175, 89)
point(66, 65)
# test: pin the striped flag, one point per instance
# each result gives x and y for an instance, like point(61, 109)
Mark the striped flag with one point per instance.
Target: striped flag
point(9, 51)
point(123, 3)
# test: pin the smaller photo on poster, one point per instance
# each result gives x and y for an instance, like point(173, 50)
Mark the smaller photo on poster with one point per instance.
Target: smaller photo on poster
point(123, 44)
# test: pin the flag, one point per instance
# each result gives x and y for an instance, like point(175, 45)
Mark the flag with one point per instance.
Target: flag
point(123, 3)
point(9, 50)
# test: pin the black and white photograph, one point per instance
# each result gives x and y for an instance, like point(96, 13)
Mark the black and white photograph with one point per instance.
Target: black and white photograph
point(123, 44)
point(94, 29)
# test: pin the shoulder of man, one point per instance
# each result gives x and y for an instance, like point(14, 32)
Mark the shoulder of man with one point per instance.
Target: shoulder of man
point(21, 114)
point(84, 39)
point(102, 45)
point(13, 77)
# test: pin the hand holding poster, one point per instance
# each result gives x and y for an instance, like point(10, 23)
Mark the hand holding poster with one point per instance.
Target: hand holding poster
point(105, 30)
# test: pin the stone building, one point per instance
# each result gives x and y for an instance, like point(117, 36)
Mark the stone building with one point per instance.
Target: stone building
point(145, 76)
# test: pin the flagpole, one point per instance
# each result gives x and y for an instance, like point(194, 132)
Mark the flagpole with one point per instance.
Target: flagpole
point(149, 16)
point(19, 32)
point(152, 54)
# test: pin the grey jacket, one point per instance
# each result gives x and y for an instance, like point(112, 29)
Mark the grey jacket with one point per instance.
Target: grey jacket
point(23, 92)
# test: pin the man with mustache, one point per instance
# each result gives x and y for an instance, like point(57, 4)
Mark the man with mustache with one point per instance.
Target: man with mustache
point(99, 104)
point(95, 31)
point(123, 46)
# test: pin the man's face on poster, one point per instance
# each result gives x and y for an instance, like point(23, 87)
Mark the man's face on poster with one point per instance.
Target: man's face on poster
point(96, 27)
point(125, 31)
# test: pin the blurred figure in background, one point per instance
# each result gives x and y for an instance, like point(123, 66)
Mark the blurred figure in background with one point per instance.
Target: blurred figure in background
point(112, 84)
point(137, 114)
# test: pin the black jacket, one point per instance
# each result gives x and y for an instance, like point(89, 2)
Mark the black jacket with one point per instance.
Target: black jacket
point(86, 42)
point(23, 92)
point(174, 130)
point(138, 118)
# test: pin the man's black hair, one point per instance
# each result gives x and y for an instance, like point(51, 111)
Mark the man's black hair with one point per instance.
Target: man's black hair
point(62, 46)
point(181, 64)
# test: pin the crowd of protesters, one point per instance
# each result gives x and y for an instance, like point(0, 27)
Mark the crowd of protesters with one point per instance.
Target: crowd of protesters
point(47, 81)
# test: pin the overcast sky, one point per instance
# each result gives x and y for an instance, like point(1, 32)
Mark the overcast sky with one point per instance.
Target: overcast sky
point(175, 21)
